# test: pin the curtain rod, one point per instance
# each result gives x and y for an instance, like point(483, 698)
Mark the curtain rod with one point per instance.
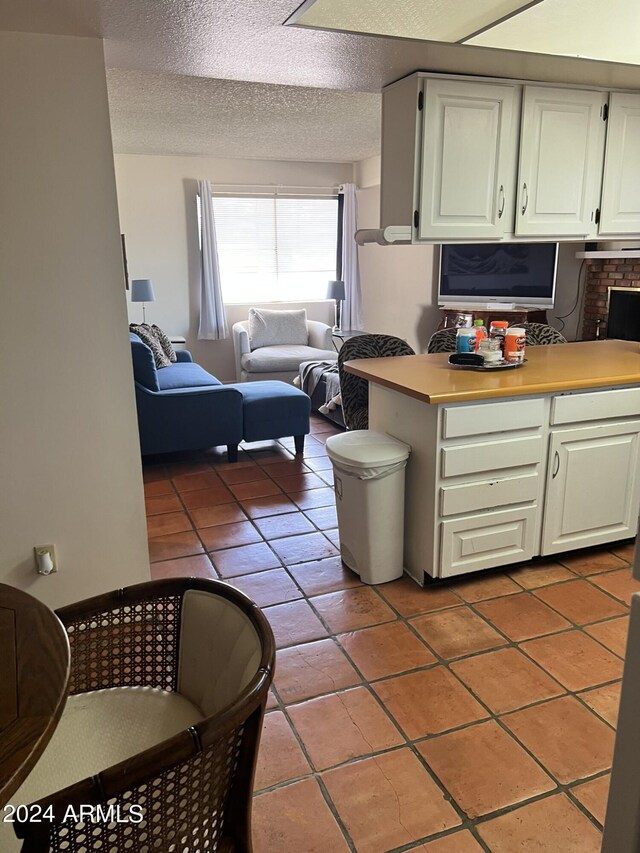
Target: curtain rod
point(280, 186)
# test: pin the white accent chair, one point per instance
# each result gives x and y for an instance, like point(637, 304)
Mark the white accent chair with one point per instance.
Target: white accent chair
point(280, 361)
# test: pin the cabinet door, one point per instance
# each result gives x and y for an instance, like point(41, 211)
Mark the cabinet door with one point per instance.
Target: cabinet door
point(561, 151)
point(592, 486)
point(621, 187)
point(468, 160)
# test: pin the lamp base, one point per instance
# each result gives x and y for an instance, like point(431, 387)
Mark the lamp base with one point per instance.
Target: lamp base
point(338, 316)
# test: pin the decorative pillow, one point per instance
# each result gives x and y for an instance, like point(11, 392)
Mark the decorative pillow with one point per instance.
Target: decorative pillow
point(269, 328)
point(165, 343)
point(147, 336)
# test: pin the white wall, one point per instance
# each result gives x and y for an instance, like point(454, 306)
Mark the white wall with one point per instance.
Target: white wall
point(397, 281)
point(400, 283)
point(69, 456)
point(156, 197)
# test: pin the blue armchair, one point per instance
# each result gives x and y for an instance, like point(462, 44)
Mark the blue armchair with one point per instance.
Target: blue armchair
point(182, 407)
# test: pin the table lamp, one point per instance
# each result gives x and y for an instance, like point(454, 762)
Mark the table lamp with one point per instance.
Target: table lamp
point(336, 291)
point(142, 291)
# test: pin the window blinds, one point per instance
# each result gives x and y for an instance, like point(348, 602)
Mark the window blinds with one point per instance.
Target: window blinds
point(276, 248)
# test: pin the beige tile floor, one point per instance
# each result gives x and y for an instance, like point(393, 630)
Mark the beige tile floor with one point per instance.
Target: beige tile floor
point(473, 716)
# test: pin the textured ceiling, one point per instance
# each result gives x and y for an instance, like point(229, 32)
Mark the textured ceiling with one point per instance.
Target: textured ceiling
point(245, 40)
point(173, 114)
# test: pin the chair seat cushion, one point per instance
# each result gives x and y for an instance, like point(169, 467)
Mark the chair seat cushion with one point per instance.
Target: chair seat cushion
point(185, 375)
point(101, 728)
point(284, 357)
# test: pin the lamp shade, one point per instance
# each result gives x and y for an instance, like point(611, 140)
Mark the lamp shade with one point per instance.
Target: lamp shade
point(142, 290)
point(335, 290)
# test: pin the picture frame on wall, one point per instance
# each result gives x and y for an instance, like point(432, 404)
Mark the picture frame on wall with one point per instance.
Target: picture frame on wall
point(125, 266)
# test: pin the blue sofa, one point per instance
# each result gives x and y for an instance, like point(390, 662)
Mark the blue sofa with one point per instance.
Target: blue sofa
point(182, 407)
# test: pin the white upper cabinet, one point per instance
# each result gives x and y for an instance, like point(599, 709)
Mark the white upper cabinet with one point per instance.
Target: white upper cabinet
point(620, 212)
point(560, 169)
point(468, 160)
point(469, 143)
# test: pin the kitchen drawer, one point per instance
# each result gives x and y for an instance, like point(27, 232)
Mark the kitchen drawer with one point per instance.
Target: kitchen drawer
point(483, 418)
point(482, 541)
point(471, 497)
point(491, 455)
point(596, 406)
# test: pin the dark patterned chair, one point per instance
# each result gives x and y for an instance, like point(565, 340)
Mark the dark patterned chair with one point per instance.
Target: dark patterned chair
point(168, 686)
point(444, 340)
point(354, 390)
point(539, 334)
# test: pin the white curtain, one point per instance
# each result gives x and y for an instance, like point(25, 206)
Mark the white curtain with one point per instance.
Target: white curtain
point(213, 319)
point(352, 317)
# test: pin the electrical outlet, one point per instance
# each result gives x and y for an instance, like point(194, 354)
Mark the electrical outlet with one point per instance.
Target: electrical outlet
point(46, 561)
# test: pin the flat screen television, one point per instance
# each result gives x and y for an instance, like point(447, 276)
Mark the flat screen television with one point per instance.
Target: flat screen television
point(480, 273)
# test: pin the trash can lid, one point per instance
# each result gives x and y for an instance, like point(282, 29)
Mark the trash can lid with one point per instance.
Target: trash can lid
point(363, 448)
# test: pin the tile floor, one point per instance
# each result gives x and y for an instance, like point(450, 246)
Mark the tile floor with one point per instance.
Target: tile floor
point(475, 715)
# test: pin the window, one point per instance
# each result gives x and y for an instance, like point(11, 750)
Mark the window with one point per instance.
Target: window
point(276, 249)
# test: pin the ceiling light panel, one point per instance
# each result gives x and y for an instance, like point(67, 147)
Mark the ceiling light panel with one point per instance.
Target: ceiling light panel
point(426, 20)
point(584, 28)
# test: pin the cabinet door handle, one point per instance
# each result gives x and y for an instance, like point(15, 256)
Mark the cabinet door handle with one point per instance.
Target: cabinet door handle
point(556, 465)
point(502, 200)
point(526, 199)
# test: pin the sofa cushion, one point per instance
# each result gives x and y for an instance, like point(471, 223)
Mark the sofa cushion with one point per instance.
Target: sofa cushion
point(282, 358)
point(148, 337)
point(165, 342)
point(185, 375)
point(144, 367)
point(269, 328)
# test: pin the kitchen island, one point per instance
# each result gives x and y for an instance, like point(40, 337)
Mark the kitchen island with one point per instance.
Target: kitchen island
point(509, 465)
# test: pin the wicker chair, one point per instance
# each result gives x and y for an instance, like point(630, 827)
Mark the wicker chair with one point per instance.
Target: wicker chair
point(355, 391)
point(169, 682)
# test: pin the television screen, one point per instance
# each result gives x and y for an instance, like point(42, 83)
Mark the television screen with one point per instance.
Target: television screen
point(522, 273)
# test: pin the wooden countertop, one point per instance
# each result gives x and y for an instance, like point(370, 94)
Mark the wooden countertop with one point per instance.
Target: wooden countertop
point(34, 676)
point(549, 369)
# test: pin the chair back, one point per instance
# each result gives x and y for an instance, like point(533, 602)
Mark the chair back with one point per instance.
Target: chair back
point(539, 334)
point(211, 644)
point(354, 390)
point(444, 340)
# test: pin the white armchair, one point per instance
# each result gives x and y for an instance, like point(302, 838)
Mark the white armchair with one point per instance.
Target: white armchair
point(280, 361)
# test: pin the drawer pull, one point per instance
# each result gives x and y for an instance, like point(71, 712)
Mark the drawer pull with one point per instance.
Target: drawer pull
point(556, 465)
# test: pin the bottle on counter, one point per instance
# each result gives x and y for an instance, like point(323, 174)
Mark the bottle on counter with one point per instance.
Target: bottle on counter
point(498, 331)
point(466, 340)
point(481, 332)
point(514, 342)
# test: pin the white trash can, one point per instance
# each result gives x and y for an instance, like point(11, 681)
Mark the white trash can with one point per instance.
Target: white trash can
point(369, 486)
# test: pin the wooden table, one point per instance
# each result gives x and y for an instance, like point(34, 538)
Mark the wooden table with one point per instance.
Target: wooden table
point(34, 678)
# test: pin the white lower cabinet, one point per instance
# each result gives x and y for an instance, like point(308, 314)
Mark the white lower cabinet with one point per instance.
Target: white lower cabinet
point(566, 476)
point(593, 489)
point(495, 483)
point(486, 540)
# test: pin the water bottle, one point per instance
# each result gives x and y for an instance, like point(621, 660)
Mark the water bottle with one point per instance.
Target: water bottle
point(481, 332)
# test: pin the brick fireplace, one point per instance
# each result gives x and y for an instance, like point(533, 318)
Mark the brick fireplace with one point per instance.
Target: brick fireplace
point(608, 270)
